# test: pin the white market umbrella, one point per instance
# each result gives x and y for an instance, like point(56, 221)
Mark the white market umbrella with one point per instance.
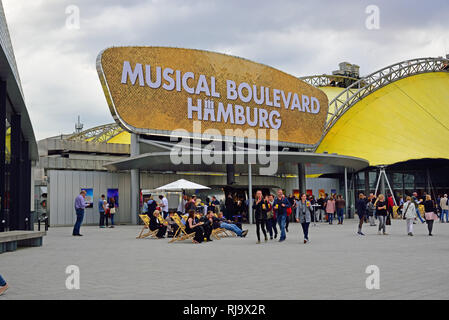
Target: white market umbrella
point(181, 185)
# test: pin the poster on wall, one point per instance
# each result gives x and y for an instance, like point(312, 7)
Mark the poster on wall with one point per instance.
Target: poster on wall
point(321, 193)
point(309, 192)
point(89, 197)
point(296, 193)
point(113, 193)
point(333, 191)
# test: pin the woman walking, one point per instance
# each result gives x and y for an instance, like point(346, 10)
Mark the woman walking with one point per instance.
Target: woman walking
point(303, 215)
point(271, 218)
point(409, 214)
point(381, 212)
point(330, 209)
point(111, 210)
point(260, 207)
point(429, 213)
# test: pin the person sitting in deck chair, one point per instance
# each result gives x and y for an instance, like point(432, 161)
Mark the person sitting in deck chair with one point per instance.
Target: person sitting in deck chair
point(228, 225)
point(156, 225)
point(172, 227)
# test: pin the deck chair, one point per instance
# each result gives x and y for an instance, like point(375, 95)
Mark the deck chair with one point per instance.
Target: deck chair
point(146, 221)
point(181, 233)
point(219, 233)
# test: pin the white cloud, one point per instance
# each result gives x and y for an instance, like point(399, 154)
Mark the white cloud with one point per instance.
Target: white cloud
point(57, 65)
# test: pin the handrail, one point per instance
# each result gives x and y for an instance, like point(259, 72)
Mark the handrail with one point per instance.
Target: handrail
point(324, 80)
point(98, 134)
point(376, 80)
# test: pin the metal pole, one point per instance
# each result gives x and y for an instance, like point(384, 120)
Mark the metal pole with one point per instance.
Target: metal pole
point(3, 226)
point(346, 190)
point(135, 180)
point(250, 194)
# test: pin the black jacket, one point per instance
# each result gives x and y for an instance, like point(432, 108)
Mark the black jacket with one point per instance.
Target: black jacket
point(260, 210)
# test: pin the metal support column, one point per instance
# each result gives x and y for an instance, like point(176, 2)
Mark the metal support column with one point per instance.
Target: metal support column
point(346, 192)
point(301, 178)
point(3, 221)
point(16, 148)
point(250, 194)
point(135, 180)
point(367, 184)
point(25, 192)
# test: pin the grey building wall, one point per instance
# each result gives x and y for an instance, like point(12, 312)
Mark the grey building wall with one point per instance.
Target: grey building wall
point(65, 185)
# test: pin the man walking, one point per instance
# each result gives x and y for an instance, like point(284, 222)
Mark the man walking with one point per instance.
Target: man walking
point(80, 204)
point(164, 206)
point(280, 205)
point(444, 205)
point(102, 209)
point(417, 203)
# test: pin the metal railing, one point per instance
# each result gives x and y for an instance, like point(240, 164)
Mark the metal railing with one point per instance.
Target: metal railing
point(376, 80)
point(98, 134)
point(326, 80)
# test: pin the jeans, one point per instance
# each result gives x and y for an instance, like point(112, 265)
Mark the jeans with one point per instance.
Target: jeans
point(340, 214)
point(444, 212)
point(2, 281)
point(79, 220)
point(305, 229)
point(282, 220)
point(410, 225)
point(419, 215)
point(271, 227)
point(231, 227)
point(330, 217)
point(382, 220)
point(102, 219)
point(319, 215)
point(112, 219)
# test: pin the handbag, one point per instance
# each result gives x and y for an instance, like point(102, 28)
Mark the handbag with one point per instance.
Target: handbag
point(112, 210)
point(289, 211)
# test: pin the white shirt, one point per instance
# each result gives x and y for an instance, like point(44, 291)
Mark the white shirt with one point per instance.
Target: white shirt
point(165, 204)
point(182, 206)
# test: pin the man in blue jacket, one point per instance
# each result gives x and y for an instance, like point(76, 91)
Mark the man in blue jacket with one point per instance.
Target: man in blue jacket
point(280, 205)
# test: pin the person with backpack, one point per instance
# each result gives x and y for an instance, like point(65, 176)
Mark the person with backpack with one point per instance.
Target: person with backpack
point(444, 204)
point(409, 214)
point(417, 203)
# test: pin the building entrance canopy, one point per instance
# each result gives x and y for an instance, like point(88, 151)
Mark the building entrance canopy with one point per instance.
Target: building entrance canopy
point(287, 162)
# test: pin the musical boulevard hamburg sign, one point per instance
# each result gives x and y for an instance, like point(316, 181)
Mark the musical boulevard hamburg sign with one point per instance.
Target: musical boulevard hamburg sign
point(157, 90)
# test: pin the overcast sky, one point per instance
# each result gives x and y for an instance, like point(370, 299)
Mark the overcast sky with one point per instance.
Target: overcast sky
point(57, 64)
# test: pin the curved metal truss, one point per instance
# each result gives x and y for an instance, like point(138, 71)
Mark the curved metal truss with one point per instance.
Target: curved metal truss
point(376, 80)
point(326, 80)
point(98, 134)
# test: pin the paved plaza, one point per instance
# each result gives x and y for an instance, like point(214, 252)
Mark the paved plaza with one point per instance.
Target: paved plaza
point(115, 265)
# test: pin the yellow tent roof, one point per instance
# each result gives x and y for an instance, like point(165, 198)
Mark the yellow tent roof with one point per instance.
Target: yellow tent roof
point(407, 119)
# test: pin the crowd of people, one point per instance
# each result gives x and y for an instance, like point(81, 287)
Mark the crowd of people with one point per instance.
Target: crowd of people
point(273, 213)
